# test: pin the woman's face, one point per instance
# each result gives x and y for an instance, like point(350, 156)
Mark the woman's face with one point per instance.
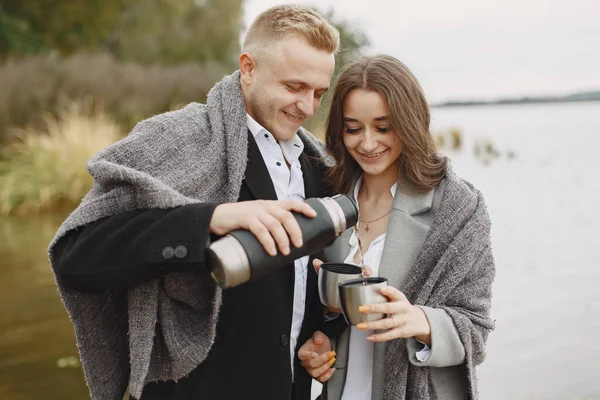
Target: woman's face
point(368, 134)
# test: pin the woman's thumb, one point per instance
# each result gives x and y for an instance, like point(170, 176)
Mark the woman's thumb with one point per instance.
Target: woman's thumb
point(318, 338)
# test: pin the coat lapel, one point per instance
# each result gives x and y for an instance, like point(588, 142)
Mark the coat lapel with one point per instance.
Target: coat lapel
point(312, 177)
point(257, 179)
point(405, 235)
point(404, 240)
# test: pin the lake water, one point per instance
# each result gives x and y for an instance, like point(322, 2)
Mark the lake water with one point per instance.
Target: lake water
point(546, 301)
point(544, 209)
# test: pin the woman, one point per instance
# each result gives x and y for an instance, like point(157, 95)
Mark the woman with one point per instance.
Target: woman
point(421, 227)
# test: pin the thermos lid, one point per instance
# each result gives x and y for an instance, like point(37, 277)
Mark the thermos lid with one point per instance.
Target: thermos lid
point(228, 262)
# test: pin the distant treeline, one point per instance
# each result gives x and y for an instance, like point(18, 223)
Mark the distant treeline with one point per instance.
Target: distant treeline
point(143, 31)
point(575, 97)
point(144, 58)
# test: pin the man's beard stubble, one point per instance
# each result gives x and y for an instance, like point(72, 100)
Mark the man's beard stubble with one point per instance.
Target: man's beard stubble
point(261, 109)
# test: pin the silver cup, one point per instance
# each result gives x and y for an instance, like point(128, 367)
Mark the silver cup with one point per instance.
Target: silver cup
point(330, 276)
point(359, 292)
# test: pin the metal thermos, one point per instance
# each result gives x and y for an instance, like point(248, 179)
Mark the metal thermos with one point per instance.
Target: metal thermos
point(239, 257)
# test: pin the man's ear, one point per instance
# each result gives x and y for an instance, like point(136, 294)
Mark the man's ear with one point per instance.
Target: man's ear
point(247, 67)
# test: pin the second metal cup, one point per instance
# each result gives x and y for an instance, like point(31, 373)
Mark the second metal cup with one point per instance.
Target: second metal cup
point(358, 292)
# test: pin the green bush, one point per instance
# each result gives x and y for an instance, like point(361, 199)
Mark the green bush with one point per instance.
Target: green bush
point(36, 85)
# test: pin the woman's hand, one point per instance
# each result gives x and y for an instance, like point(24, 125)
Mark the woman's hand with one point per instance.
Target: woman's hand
point(405, 320)
point(317, 358)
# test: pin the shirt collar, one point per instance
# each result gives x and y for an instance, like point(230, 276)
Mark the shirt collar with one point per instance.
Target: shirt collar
point(254, 126)
point(359, 184)
point(291, 149)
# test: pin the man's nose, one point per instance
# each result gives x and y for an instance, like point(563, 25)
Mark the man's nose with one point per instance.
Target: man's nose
point(308, 104)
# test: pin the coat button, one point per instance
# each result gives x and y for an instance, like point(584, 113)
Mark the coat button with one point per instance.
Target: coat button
point(180, 251)
point(285, 340)
point(168, 252)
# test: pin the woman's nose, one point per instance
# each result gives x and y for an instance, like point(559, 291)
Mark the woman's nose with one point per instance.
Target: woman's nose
point(369, 142)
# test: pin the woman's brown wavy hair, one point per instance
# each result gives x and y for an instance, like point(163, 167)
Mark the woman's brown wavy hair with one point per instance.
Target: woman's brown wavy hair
point(420, 168)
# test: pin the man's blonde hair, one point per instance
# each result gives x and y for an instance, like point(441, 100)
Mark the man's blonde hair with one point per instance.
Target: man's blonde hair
point(280, 21)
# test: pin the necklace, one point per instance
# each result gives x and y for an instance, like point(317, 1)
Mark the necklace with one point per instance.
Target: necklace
point(376, 219)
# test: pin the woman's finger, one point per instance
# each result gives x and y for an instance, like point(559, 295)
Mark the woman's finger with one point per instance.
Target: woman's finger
point(321, 360)
point(316, 372)
point(392, 293)
point(391, 334)
point(392, 307)
point(367, 271)
point(326, 376)
point(317, 265)
point(383, 324)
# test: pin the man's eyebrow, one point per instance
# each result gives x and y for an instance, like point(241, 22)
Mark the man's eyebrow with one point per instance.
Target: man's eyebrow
point(304, 84)
point(295, 82)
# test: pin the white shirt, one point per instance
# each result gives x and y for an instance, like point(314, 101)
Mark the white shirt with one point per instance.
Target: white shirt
point(359, 375)
point(289, 184)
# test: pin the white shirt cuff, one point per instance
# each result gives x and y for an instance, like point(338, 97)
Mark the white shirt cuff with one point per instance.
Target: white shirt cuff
point(423, 354)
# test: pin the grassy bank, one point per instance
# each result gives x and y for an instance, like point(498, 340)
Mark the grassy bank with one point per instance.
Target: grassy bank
point(46, 171)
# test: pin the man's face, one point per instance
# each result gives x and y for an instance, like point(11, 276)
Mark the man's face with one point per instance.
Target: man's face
point(286, 87)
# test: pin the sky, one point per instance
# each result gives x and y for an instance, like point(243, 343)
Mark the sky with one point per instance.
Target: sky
point(479, 49)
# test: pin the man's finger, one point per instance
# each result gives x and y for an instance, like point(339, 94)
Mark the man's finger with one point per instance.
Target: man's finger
point(263, 235)
point(290, 225)
point(277, 232)
point(299, 206)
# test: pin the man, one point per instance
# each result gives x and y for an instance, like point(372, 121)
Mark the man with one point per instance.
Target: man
point(130, 261)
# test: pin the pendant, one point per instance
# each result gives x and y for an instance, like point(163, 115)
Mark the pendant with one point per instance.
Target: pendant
point(367, 228)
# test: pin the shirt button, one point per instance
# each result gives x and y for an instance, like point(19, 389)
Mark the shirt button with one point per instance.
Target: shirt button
point(285, 340)
point(267, 136)
point(168, 252)
point(278, 164)
point(180, 251)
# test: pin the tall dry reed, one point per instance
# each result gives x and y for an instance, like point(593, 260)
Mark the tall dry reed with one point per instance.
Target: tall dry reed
point(47, 171)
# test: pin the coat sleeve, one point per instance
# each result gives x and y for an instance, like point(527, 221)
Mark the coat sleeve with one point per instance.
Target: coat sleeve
point(446, 348)
point(133, 247)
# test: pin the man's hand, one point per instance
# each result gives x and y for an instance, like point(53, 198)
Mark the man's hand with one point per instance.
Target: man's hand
point(317, 358)
point(270, 221)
